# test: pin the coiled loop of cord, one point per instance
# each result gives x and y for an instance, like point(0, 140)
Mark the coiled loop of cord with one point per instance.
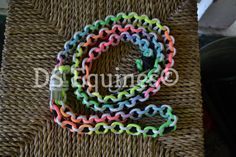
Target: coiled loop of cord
point(89, 45)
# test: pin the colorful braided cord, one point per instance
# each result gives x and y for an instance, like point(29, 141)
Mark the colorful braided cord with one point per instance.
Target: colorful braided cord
point(115, 109)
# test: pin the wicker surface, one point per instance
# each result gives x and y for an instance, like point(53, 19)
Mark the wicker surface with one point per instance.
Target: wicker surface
point(36, 31)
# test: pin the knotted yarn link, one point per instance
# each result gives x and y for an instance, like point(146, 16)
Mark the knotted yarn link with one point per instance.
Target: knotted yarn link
point(155, 44)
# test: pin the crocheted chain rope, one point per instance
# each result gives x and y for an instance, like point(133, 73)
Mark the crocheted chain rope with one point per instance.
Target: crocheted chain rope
point(154, 43)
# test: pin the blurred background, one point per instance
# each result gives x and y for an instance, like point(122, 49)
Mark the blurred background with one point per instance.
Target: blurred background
point(217, 36)
point(217, 42)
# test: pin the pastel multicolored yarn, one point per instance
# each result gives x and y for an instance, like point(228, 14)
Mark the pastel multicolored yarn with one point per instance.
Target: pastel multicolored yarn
point(86, 46)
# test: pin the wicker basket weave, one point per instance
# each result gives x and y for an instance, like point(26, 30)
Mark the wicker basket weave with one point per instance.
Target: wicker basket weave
point(37, 29)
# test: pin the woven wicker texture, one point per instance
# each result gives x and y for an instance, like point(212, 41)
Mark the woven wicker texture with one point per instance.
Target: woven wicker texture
point(37, 29)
